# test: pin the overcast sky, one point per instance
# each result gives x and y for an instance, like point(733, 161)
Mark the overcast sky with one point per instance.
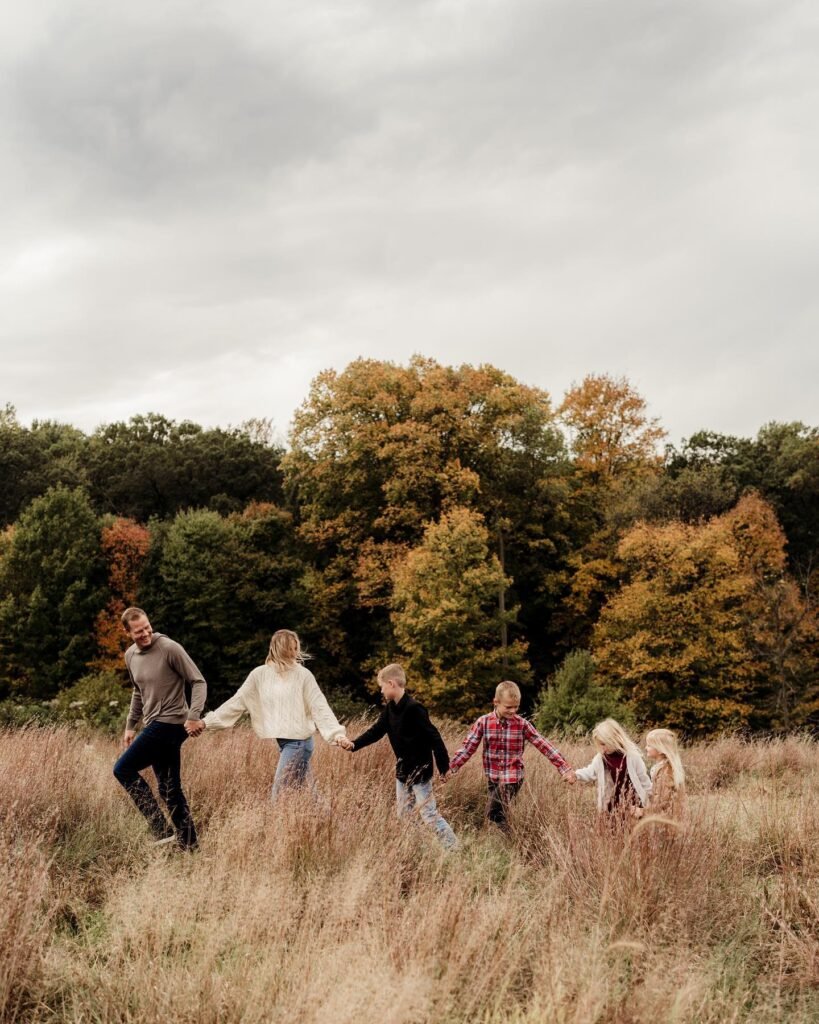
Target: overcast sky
point(204, 204)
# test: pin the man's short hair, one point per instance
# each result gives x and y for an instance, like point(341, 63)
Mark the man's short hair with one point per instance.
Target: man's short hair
point(507, 689)
point(393, 673)
point(130, 614)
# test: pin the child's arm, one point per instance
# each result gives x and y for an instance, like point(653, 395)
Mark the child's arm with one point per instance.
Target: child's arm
point(470, 745)
point(372, 735)
point(589, 773)
point(531, 734)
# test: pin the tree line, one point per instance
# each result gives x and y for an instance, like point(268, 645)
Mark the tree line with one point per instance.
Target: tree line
point(452, 518)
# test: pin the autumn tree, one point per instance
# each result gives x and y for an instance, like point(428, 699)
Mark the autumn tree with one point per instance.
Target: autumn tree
point(380, 450)
point(124, 544)
point(609, 426)
point(51, 588)
point(446, 618)
point(614, 444)
point(679, 636)
point(781, 463)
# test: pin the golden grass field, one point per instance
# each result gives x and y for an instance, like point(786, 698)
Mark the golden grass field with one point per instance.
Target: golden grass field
point(288, 914)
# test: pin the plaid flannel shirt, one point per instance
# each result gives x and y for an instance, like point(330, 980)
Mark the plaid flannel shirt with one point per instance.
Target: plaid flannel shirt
point(503, 740)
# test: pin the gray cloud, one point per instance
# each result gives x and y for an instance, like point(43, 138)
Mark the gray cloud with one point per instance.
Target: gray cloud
point(203, 208)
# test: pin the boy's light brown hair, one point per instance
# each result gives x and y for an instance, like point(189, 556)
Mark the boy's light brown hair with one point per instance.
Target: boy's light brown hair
point(393, 673)
point(507, 689)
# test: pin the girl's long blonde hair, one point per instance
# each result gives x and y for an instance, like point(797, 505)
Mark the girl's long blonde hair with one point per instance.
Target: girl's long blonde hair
point(611, 734)
point(285, 650)
point(665, 742)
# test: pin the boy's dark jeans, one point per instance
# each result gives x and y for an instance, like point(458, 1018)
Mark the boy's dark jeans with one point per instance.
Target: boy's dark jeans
point(501, 795)
point(158, 746)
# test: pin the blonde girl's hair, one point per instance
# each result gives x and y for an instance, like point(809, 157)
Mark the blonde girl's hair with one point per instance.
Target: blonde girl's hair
point(665, 742)
point(285, 650)
point(507, 689)
point(609, 733)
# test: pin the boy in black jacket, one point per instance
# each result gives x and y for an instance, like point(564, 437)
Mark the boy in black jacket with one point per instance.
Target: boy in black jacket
point(414, 739)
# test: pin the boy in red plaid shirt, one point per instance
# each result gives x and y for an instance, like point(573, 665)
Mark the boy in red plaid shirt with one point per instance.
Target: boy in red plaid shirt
point(504, 733)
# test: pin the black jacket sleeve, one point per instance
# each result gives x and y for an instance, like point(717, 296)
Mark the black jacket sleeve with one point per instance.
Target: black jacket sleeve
point(433, 737)
point(374, 733)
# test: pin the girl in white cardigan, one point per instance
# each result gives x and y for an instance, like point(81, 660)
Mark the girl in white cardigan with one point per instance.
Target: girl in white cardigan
point(285, 704)
point(618, 769)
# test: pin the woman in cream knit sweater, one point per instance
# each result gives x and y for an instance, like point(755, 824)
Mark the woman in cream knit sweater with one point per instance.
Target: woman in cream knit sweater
point(285, 704)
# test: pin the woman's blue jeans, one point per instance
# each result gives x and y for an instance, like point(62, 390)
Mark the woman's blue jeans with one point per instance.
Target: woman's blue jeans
point(293, 769)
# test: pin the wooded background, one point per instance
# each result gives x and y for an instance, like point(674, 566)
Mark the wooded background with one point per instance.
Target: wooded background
point(451, 518)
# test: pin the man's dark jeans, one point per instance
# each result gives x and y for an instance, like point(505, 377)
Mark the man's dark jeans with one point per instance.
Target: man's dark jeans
point(158, 746)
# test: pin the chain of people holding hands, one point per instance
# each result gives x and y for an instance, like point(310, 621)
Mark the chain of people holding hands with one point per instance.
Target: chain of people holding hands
point(286, 706)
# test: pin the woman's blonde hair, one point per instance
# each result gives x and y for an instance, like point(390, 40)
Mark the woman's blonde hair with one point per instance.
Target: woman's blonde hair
point(285, 650)
point(611, 734)
point(665, 742)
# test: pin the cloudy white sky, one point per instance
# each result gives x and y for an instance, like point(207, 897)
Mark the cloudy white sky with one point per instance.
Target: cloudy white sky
point(206, 203)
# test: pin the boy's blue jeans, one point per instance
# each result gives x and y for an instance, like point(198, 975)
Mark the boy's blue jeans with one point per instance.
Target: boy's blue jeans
point(412, 795)
point(158, 746)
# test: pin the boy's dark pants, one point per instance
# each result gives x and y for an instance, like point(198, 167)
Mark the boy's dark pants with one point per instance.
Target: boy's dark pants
point(501, 795)
point(158, 746)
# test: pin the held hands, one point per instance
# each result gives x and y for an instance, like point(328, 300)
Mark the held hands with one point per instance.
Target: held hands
point(194, 728)
point(570, 777)
point(344, 742)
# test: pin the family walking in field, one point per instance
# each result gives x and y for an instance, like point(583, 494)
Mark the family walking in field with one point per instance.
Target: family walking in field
point(285, 704)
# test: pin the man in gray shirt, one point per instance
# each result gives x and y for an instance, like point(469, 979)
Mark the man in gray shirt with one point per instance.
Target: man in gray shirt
point(159, 668)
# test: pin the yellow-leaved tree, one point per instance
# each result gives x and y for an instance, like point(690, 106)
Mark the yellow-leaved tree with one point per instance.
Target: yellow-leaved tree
point(692, 636)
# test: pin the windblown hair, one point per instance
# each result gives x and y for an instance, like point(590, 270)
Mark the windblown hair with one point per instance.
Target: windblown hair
point(507, 689)
point(285, 650)
point(665, 742)
point(611, 734)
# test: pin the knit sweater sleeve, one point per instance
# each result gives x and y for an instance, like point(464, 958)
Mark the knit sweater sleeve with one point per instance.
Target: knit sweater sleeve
point(319, 710)
point(589, 773)
point(643, 779)
point(229, 713)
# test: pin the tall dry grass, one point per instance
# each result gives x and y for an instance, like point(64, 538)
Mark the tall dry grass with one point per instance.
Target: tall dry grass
point(333, 911)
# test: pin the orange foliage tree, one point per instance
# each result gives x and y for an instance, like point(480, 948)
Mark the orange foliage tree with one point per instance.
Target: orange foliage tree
point(610, 429)
point(124, 545)
point(694, 634)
